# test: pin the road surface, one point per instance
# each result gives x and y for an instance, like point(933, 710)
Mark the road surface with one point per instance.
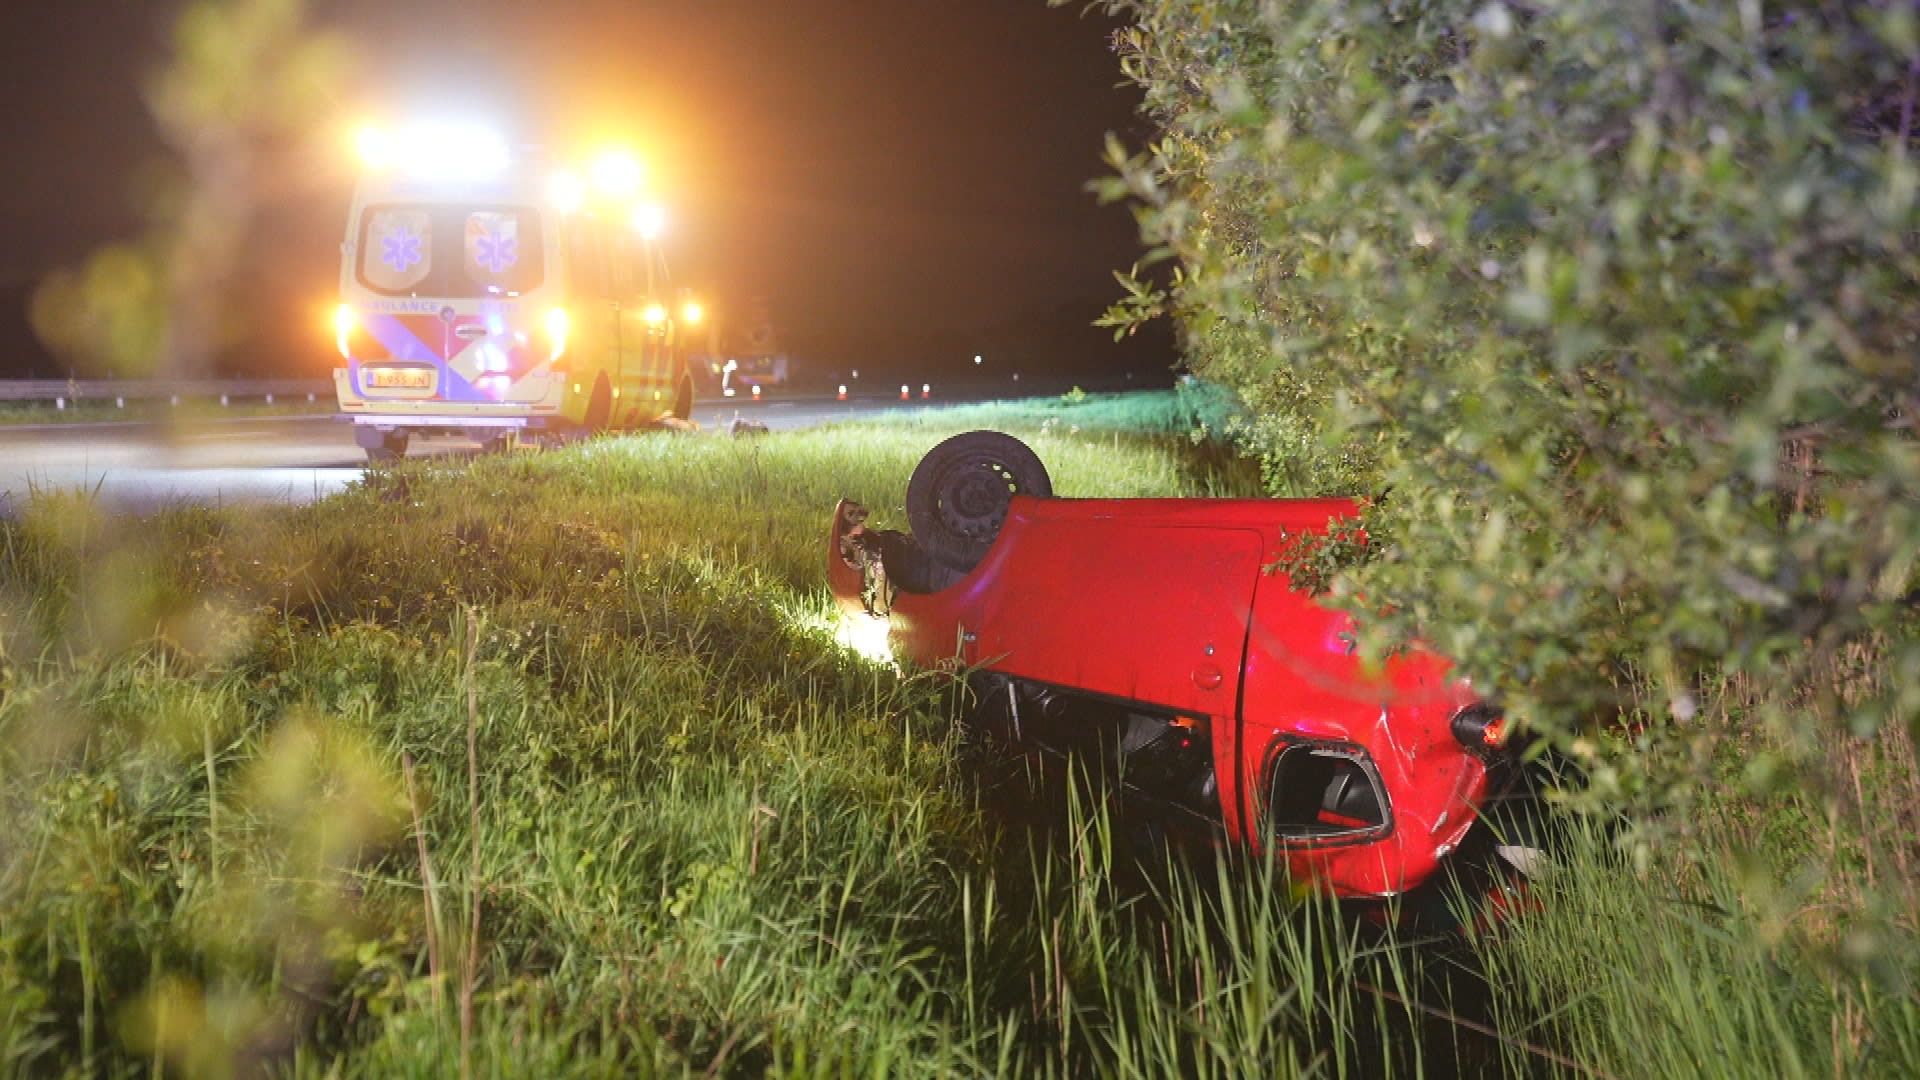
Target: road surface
point(282, 458)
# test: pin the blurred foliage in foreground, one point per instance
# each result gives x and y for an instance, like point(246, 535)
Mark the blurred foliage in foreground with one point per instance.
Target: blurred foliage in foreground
point(248, 86)
point(1619, 300)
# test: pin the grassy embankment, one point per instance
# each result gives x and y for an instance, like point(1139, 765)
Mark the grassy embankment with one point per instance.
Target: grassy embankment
point(552, 761)
point(144, 411)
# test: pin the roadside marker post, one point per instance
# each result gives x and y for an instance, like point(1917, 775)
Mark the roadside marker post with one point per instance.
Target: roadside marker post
point(843, 391)
point(926, 389)
point(905, 394)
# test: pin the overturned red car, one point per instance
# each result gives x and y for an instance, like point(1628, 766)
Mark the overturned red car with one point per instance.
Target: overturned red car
point(1160, 635)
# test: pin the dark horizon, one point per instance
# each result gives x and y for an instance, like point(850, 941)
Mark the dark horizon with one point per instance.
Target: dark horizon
point(904, 184)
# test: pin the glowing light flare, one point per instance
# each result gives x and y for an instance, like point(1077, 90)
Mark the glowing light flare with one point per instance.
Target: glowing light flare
point(650, 221)
point(655, 314)
point(344, 324)
point(567, 192)
point(691, 313)
point(616, 173)
point(866, 636)
point(435, 151)
point(375, 147)
point(556, 323)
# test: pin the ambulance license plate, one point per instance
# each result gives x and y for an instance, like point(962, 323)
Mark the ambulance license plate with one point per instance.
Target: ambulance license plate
point(401, 378)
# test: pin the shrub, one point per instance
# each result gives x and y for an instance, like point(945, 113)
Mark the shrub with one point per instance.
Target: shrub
point(1617, 297)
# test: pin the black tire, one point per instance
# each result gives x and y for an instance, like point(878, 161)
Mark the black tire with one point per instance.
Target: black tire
point(600, 406)
point(392, 448)
point(683, 399)
point(957, 497)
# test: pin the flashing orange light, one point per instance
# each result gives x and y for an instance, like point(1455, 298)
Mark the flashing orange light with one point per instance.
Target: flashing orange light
point(691, 313)
point(616, 173)
point(344, 324)
point(655, 314)
point(650, 221)
point(556, 324)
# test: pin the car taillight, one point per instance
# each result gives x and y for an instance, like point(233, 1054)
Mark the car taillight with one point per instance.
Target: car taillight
point(350, 336)
point(1480, 725)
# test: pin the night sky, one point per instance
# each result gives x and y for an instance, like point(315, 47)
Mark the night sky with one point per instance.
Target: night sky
point(902, 181)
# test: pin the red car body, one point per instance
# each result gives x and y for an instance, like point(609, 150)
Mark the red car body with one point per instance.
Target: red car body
point(1168, 620)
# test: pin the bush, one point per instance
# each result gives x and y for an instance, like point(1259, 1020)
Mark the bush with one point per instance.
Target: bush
point(1618, 299)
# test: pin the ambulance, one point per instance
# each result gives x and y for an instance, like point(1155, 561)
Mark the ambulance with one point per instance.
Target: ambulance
point(492, 293)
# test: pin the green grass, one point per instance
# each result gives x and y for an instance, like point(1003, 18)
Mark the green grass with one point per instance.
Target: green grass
point(1711, 964)
point(702, 837)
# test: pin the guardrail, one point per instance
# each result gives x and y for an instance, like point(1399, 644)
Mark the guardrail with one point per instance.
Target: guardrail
point(64, 392)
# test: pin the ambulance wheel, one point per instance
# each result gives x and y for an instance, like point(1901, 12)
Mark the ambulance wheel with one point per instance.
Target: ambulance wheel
point(683, 399)
point(599, 406)
point(391, 448)
point(495, 443)
point(958, 495)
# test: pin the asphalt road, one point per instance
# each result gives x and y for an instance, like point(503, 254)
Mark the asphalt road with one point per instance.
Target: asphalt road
point(284, 458)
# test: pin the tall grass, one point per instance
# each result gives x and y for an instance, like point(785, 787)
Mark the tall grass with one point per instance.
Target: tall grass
point(1690, 970)
point(234, 748)
point(242, 833)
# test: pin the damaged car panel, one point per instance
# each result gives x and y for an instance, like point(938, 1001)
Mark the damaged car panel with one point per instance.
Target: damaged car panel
point(1159, 635)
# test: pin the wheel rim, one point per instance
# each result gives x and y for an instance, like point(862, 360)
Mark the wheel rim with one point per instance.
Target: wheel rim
point(961, 494)
point(973, 498)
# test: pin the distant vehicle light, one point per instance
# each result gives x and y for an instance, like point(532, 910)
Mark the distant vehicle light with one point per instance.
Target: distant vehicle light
point(691, 313)
point(567, 193)
point(616, 173)
point(650, 221)
point(655, 314)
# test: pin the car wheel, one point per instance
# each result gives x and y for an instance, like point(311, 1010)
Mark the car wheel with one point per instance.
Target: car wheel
point(958, 495)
